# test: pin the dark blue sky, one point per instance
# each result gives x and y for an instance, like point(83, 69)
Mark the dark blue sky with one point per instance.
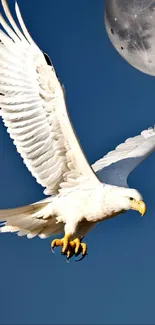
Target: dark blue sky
point(108, 101)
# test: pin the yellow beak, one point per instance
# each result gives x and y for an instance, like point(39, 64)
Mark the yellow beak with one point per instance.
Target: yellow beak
point(139, 206)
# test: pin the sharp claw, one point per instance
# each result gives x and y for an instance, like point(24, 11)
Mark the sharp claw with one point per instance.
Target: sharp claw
point(55, 243)
point(67, 260)
point(69, 254)
point(83, 249)
point(82, 257)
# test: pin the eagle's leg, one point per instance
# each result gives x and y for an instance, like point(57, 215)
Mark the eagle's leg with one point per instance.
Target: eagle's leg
point(64, 242)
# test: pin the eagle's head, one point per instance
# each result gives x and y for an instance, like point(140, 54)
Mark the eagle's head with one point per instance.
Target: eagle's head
point(125, 199)
point(131, 199)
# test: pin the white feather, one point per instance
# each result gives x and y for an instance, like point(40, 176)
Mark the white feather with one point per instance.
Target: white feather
point(32, 220)
point(34, 111)
point(115, 167)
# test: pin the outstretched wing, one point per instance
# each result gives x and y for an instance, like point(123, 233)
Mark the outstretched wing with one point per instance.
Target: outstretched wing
point(34, 111)
point(115, 167)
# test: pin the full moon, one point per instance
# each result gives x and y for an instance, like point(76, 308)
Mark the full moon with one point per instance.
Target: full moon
point(130, 25)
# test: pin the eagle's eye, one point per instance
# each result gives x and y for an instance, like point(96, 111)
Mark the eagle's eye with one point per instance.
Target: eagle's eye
point(131, 198)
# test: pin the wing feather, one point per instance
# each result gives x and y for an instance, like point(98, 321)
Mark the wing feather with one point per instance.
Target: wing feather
point(115, 167)
point(34, 111)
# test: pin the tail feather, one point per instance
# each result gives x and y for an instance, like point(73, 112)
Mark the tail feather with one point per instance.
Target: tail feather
point(25, 210)
point(31, 220)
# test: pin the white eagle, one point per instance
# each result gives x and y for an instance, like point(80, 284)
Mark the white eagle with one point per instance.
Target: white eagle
point(33, 109)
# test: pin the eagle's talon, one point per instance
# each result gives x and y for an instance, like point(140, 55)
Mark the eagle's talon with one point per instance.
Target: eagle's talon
point(69, 254)
point(55, 243)
point(78, 245)
point(83, 248)
point(70, 248)
point(81, 258)
point(75, 245)
point(64, 242)
point(67, 260)
point(79, 251)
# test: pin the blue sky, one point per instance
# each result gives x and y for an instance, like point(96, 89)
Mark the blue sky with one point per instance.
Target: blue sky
point(108, 101)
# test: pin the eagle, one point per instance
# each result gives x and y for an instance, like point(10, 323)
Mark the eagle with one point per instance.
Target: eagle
point(34, 111)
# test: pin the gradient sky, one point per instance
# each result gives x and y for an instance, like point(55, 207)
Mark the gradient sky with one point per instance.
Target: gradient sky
point(108, 101)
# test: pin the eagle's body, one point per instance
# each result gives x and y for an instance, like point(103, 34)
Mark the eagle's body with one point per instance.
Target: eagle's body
point(80, 210)
point(33, 109)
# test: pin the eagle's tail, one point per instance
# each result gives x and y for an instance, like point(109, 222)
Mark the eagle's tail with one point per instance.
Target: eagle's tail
point(31, 220)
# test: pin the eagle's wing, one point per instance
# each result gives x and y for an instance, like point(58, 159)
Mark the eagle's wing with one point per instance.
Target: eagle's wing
point(34, 111)
point(115, 167)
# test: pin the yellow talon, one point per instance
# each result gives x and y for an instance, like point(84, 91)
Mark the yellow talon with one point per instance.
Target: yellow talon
point(69, 254)
point(64, 242)
point(70, 247)
point(77, 242)
point(84, 249)
point(76, 245)
point(56, 242)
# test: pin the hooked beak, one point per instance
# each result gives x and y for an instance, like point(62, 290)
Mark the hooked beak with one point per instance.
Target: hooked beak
point(139, 206)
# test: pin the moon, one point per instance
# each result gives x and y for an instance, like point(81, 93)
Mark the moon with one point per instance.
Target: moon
point(130, 25)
